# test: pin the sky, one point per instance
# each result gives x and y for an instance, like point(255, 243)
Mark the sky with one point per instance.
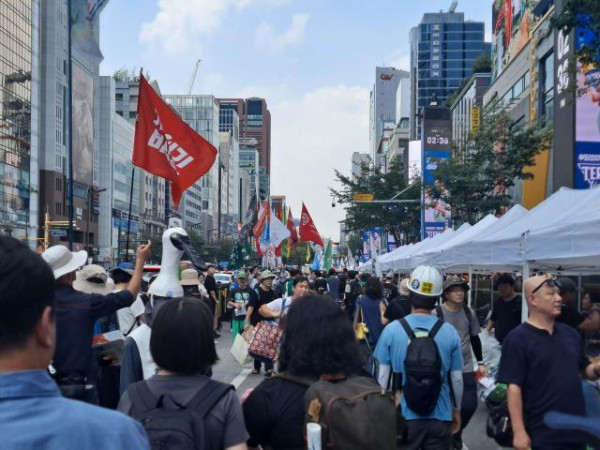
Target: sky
point(313, 61)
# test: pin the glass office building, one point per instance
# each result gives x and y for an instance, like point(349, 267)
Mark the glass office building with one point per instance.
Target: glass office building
point(15, 115)
point(443, 49)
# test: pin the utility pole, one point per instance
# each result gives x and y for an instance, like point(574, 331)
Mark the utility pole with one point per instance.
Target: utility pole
point(51, 223)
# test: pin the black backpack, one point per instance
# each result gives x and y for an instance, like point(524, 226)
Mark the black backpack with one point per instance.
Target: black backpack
point(422, 370)
point(170, 425)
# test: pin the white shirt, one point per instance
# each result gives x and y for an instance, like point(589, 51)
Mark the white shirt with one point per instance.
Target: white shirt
point(276, 305)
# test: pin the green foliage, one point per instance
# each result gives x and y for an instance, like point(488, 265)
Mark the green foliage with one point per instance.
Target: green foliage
point(496, 156)
point(396, 218)
point(297, 256)
point(450, 100)
point(582, 14)
point(483, 64)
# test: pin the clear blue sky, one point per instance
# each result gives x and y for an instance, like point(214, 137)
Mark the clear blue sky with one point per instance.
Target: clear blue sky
point(312, 60)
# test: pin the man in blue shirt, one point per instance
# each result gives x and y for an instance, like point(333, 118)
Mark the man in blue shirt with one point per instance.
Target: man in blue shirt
point(432, 431)
point(32, 412)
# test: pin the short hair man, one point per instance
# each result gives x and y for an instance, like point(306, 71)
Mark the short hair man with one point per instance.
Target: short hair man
point(27, 393)
point(434, 430)
point(506, 310)
point(76, 313)
point(457, 313)
point(569, 314)
point(541, 363)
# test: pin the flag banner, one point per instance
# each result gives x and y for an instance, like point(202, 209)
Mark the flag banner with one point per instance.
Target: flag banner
point(327, 256)
point(316, 261)
point(293, 241)
point(166, 146)
point(250, 218)
point(308, 230)
point(307, 252)
point(263, 219)
point(279, 232)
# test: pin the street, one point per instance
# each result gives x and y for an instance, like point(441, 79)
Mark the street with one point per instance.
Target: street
point(228, 370)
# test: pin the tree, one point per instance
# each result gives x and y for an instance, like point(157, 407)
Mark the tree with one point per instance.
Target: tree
point(483, 64)
point(477, 179)
point(393, 217)
point(297, 256)
point(450, 100)
point(582, 15)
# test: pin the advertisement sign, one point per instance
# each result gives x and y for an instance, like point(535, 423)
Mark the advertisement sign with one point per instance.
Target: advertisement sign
point(83, 125)
point(435, 47)
point(512, 22)
point(83, 33)
point(372, 243)
point(435, 142)
point(391, 242)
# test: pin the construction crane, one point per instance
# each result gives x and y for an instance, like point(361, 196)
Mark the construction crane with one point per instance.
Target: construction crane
point(453, 6)
point(191, 86)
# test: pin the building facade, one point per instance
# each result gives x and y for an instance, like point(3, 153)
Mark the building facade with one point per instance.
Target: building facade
point(249, 162)
point(19, 118)
point(466, 108)
point(359, 160)
point(443, 49)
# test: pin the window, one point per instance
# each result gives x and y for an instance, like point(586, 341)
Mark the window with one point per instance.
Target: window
point(547, 89)
point(132, 114)
point(119, 96)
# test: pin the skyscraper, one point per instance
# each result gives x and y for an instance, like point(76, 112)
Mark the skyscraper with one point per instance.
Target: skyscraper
point(443, 49)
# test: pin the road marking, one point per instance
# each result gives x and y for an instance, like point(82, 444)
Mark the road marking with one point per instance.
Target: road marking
point(237, 381)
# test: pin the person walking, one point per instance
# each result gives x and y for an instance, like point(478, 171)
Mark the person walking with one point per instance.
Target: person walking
point(239, 299)
point(457, 313)
point(253, 317)
point(333, 285)
point(506, 310)
point(398, 307)
point(352, 291)
point(542, 364)
point(569, 314)
point(33, 413)
point(278, 308)
point(432, 408)
point(211, 287)
point(76, 313)
point(183, 348)
point(370, 308)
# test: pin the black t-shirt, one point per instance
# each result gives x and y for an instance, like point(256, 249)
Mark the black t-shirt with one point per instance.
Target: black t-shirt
point(263, 297)
point(390, 291)
point(397, 308)
point(546, 367)
point(320, 285)
point(210, 284)
point(506, 315)
point(274, 414)
point(570, 316)
point(355, 290)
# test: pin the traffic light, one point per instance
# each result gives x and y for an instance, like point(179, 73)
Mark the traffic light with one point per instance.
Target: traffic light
point(95, 200)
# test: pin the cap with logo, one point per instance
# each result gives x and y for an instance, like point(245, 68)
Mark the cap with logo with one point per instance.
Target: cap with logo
point(426, 281)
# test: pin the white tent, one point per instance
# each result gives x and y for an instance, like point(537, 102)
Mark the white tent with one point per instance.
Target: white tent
point(386, 259)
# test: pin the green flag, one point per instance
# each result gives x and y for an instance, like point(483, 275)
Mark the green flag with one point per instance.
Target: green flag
point(327, 256)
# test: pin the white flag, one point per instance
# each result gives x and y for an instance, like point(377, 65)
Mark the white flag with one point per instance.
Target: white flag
point(279, 231)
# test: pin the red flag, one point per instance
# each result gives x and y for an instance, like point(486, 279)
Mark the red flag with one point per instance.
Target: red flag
point(168, 147)
point(308, 231)
point(293, 239)
point(263, 218)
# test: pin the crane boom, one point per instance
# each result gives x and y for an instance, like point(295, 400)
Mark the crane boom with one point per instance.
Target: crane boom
point(191, 86)
point(453, 6)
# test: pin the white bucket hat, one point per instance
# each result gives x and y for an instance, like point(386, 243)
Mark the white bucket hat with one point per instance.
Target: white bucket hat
point(93, 279)
point(62, 261)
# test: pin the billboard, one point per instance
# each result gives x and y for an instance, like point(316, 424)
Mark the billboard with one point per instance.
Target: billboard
point(83, 125)
point(372, 241)
point(84, 34)
point(512, 21)
point(587, 127)
point(435, 144)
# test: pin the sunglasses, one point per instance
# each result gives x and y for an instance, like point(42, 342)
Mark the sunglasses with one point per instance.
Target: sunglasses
point(550, 281)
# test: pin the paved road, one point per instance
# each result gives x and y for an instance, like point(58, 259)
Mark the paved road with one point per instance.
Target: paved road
point(228, 370)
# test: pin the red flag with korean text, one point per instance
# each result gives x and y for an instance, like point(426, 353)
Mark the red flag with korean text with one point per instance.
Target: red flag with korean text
point(308, 230)
point(166, 146)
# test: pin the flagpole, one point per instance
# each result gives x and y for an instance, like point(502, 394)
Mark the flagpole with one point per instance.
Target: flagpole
point(129, 215)
point(70, 127)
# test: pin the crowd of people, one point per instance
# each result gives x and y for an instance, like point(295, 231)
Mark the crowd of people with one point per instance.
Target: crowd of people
point(92, 359)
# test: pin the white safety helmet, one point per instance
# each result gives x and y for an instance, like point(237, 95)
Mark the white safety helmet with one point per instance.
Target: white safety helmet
point(426, 281)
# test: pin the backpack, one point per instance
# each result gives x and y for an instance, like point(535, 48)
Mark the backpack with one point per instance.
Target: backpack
point(422, 370)
point(354, 413)
point(170, 425)
point(440, 313)
point(355, 291)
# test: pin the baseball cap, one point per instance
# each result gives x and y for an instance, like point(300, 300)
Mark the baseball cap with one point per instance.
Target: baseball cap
point(266, 274)
point(567, 285)
point(242, 274)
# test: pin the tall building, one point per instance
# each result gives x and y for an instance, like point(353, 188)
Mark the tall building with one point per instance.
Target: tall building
point(19, 109)
point(151, 188)
point(249, 162)
point(466, 108)
point(359, 160)
point(443, 49)
point(229, 123)
point(54, 124)
point(255, 122)
point(199, 205)
point(383, 106)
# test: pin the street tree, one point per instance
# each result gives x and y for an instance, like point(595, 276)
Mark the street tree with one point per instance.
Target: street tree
point(397, 218)
point(479, 177)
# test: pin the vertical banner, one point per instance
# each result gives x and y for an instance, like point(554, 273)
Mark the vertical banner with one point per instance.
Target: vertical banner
point(391, 243)
point(587, 127)
point(83, 125)
point(366, 253)
point(435, 147)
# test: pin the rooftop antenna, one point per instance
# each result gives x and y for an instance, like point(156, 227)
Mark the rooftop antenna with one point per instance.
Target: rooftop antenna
point(453, 6)
point(191, 86)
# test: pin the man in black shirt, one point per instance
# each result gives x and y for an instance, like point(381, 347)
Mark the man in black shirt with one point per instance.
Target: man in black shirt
point(506, 311)
point(351, 292)
point(76, 313)
point(542, 363)
point(265, 295)
point(319, 284)
point(569, 314)
point(211, 287)
point(390, 290)
point(399, 306)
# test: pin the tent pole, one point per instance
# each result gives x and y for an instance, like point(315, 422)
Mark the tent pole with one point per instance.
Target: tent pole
point(524, 309)
point(470, 296)
point(579, 292)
